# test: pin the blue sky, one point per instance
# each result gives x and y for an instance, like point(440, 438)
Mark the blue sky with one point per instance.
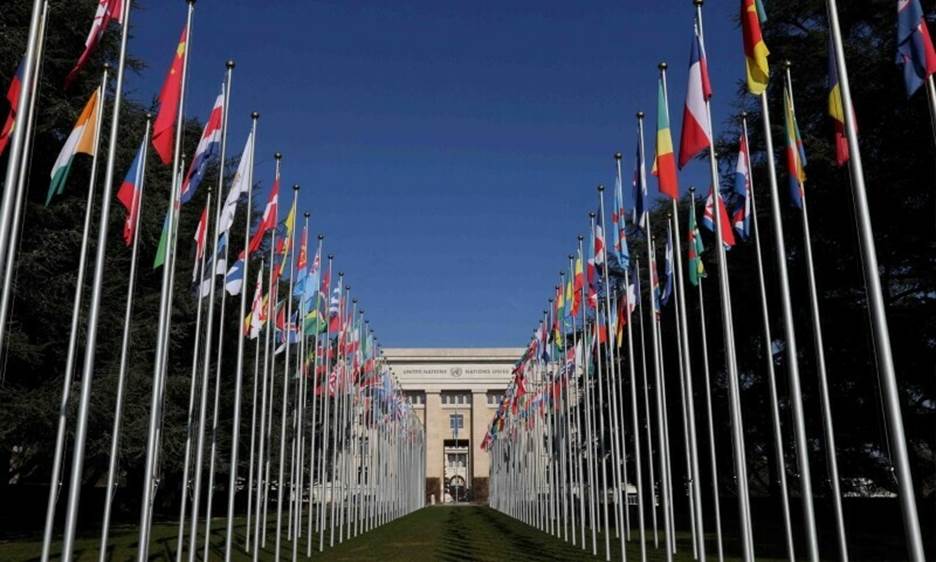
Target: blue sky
point(449, 151)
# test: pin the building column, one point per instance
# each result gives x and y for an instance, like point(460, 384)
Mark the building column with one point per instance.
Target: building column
point(480, 460)
point(435, 436)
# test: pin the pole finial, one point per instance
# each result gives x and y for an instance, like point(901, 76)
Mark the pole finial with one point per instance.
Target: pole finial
point(640, 115)
point(662, 65)
point(691, 189)
point(580, 238)
point(149, 116)
point(571, 257)
point(600, 188)
point(698, 3)
point(107, 66)
point(321, 237)
point(787, 64)
point(278, 156)
point(591, 214)
point(295, 187)
point(618, 156)
point(307, 214)
point(744, 115)
point(229, 64)
point(331, 256)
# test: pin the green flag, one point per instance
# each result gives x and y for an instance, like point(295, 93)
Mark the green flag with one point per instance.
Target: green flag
point(163, 241)
point(696, 269)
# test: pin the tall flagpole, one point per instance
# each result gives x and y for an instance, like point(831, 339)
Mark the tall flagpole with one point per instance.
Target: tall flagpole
point(16, 226)
point(768, 356)
point(139, 181)
point(18, 144)
point(661, 432)
point(282, 453)
point(825, 404)
point(74, 492)
point(165, 307)
point(315, 365)
point(589, 454)
point(734, 390)
point(646, 401)
point(253, 430)
point(56, 481)
point(875, 292)
point(688, 397)
point(713, 457)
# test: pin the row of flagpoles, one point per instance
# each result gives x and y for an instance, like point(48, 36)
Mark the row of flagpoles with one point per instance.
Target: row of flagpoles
point(356, 449)
point(560, 438)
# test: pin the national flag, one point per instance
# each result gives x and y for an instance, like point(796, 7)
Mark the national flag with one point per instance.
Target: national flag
point(13, 98)
point(160, 258)
point(837, 110)
point(302, 263)
point(129, 194)
point(571, 308)
point(107, 11)
point(621, 252)
point(169, 99)
point(81, 140)
point(240, 185)
point(755, 50)
point(269, 218)
point(234, 279)
point(207, 147)
point(221, 254)
point(639, 189)
point(795, 153)
point(284, 244)
point(598, 239)
point(696, 128)
point(334, 311)
point(590, 274)
point(708, 219)
point(915, 51)
point(654, 280)
point(255, 318)
point(667, 268)
point(695, 248)
point(201, 237)
point(664, 162)
point(311, 284)
point(741, 216)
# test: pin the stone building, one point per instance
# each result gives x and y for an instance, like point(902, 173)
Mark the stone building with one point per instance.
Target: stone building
point(455, 392)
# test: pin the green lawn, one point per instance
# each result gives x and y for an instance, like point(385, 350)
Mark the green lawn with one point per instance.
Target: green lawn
point(431, 534)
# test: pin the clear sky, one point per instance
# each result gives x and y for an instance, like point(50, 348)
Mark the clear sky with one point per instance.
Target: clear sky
point(448, 150)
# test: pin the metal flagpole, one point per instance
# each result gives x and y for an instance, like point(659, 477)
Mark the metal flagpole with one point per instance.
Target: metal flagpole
point(19, 142)
point(55, 484)
point(824, 402)
point(74, 492)
point(612, 382)
point(592, 473)
point(646, 401)
point(264, 401)
point(335, 431)
point(298, 436)
point(768, 355)
point(688, 398)
point(282, 453)
point(325, 413)
point(315, 364)
point(165, 302)
point(253, 431)
point(744, 505)
point(633, 393)
point(214, 271)
point(713, 458)
point(16, 221)
point(578, 419)
point(662, 438)
point(137, 206)
point(876, 302)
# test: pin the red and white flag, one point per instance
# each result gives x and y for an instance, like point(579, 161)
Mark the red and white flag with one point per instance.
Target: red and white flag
point(107, 11)
point(696, 128)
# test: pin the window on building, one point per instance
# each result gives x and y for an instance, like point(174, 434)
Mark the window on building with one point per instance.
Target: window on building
point(495, 397)
point(456, 422)
point(415, 397)
point(456, 398)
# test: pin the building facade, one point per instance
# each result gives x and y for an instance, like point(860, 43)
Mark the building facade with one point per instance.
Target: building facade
point(455, 392)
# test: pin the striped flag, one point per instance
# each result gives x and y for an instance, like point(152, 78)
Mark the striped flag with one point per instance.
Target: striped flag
point(664, 162)
point(915, 51)
point(240, 185)
point(13, 97)
point(129, 194)
point(205, 151)
point(668, 267)
point(755, 50)
point(837, 110)
point(107, 11)
point(639, 189)
point(696, 128)
point(82, 140)
point(741, 217)
point(795, 153)
point(708, 219)
point(695, 248)
point(621, 251)
point(269, 218)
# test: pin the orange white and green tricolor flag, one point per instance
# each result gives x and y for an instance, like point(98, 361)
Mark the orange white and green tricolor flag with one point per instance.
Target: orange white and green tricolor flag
point(664, 162)
point(755, 50)
point(82, 140)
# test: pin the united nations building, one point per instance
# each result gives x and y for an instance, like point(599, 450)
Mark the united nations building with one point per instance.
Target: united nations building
point(455, 393)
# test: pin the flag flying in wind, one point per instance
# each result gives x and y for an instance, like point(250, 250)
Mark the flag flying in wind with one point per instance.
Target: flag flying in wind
point(590, 272)
point(82, 140)
point(269, 218)
point(837, 110)
point(664, 162)
point(129, 194)
point(795, 153)
point(13, 97)
point(695, 248)
point(302, 263)
point(578, 284)
point(915, 51)
point(234, 279)
point(639, 188)
point(668, 267)
point(160, 258)
point(599, 240)
point(256, 317)
point(696, 128)
point(207, 147)
point(741, 216)
point(755, 50)
point(621, 251)
point(169, 98)
point(708, 219)
point(284, 244)
point(107, 11)
point(240, 185)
